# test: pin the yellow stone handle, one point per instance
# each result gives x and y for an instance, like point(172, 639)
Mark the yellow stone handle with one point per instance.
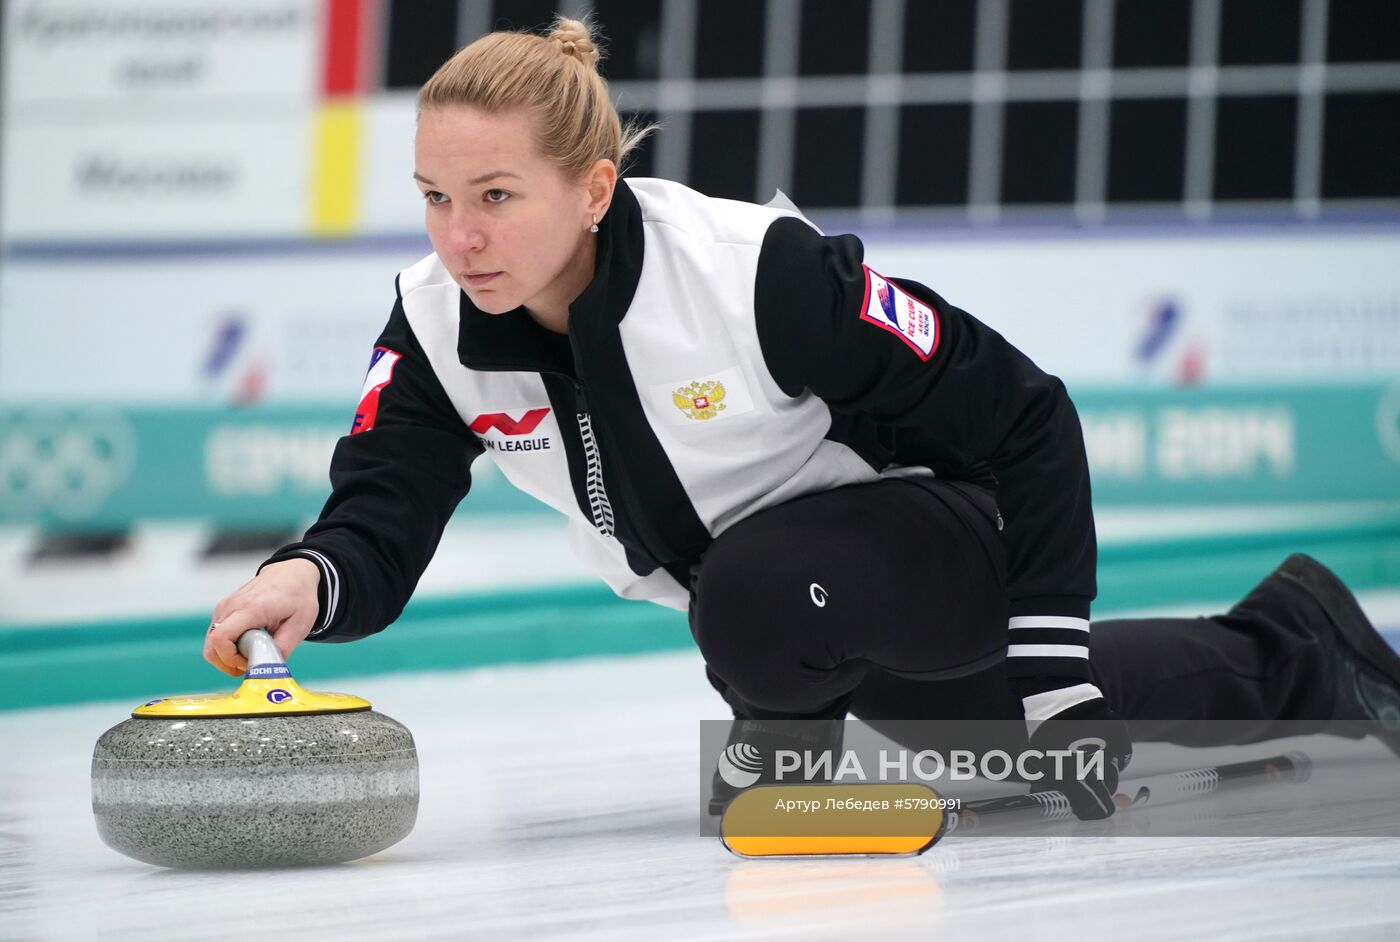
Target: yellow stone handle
point(267, 690)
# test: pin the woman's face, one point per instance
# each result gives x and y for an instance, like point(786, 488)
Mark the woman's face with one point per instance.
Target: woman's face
point(504, 220)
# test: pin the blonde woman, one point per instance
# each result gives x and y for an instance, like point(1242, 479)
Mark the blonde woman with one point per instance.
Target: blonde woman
point(868, 501)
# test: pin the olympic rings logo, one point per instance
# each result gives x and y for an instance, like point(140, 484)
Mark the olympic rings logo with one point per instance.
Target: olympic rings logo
point(66, 462)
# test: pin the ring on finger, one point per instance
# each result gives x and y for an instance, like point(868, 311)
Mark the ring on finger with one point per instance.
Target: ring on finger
point(212, 626)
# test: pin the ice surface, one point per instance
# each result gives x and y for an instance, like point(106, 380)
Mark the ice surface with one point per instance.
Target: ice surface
point(560, 801)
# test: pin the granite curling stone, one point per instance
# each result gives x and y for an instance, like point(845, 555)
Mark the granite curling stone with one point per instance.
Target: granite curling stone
point(273, 775)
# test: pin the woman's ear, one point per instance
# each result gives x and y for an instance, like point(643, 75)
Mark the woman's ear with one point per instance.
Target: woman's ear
point(601, 181)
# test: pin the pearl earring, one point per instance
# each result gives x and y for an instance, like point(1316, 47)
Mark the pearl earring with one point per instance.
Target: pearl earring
point(594, 227)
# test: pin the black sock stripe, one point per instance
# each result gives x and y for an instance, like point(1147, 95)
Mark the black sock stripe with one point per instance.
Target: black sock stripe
point(1068, 670)
point(1049, 636)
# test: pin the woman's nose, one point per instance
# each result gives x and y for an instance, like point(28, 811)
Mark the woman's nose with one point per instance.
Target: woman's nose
point(466, 236)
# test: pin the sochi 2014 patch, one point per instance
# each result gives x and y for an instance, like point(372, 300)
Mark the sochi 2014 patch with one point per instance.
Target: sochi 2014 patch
point(381, 370)
point(889, 306)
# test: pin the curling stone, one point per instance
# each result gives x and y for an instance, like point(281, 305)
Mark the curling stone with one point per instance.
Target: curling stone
point(273, 775)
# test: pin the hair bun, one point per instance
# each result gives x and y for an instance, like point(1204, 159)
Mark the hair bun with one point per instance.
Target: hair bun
point(574, 40)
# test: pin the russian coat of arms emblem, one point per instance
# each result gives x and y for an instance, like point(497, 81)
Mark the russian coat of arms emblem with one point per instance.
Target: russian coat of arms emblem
point(699, 400)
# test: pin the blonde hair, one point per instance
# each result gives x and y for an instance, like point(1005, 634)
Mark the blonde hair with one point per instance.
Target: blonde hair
point(553, 77)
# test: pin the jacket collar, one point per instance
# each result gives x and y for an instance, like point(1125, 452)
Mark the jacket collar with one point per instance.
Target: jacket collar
point(511, 341)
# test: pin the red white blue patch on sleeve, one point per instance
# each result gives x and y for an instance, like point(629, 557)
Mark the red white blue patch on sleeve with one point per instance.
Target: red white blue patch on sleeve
point(889, 306)
point(381, 370)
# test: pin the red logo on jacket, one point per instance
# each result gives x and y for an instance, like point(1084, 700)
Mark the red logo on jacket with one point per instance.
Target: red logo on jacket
point(381, 371)
point(506, 425)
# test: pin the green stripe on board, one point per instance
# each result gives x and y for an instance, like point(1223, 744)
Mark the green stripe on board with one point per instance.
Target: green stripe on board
point(141, 659)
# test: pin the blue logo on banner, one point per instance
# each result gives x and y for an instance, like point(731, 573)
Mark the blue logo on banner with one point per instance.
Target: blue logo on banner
point(278, 696)
point(225, 344)
point(155, 701)
point(1162, 324)
point(264, 671)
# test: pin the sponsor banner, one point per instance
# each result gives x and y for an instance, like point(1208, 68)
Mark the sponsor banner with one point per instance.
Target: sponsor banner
point(295, 324)
point(93, 466)
point(1183, 307)
point(1245, 444)
point(202, 331)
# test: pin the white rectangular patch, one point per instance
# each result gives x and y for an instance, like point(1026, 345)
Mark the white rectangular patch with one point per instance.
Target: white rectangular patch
point(700, 400)
point(889, 306)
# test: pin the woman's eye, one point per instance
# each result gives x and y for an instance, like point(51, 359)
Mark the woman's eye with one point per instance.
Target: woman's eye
point(434, 197)
point(497, 196)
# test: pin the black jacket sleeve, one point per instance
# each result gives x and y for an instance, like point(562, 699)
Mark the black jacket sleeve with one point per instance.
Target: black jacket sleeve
point(394, 485)
point(972, 392)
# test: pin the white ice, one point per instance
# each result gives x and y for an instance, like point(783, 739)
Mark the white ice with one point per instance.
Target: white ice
point(561, 801)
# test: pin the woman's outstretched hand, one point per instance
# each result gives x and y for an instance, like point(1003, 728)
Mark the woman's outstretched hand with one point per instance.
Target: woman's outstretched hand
point(280, 598)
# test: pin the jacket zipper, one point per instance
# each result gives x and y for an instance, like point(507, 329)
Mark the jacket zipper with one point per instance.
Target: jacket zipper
point(598, 503)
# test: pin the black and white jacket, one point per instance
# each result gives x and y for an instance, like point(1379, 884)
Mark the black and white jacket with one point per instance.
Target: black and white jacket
point(725, 358)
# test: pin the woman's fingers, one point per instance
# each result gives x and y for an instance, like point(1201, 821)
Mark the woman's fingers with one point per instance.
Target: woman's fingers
point(221, 640)
point(294, 630)
point(281, 598)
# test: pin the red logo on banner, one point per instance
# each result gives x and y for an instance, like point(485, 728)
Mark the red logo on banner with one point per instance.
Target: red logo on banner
point(504, 424)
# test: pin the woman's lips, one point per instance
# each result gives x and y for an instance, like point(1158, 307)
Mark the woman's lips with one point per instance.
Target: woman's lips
point(481, 279)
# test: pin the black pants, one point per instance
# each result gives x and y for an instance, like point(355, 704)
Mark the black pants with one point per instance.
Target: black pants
point(888, 601)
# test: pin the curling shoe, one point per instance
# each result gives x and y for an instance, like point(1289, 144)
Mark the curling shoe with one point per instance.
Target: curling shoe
point(750, 755)
point(1365, 667)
